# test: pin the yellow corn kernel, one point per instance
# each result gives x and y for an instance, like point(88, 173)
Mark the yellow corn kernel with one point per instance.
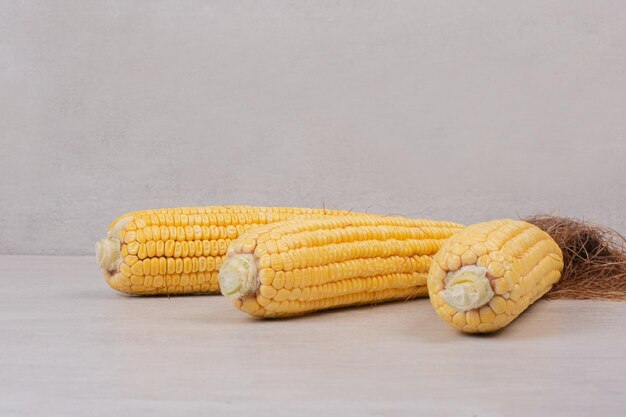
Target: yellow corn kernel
point(510, 264)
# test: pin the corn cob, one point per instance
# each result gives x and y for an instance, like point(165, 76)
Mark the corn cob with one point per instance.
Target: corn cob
point(180, 250)
point(297, 267)
point(489, 273)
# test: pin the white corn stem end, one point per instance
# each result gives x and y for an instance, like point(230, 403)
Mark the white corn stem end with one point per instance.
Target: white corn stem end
point(467, 289)
point(238, 276)
point(108, 249)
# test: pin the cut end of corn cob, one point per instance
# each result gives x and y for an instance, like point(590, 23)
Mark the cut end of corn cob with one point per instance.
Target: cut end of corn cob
point(108, 250)
point(467, 288)
point(237, 276)
point(107, 253)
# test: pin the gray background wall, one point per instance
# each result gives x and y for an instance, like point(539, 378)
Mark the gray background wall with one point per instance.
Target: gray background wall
point(446, 109)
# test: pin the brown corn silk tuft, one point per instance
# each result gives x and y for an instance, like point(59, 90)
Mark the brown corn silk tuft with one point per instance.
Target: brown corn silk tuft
point(594, 258)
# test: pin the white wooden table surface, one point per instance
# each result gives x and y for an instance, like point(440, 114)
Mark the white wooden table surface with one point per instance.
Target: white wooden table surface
point(69, 345)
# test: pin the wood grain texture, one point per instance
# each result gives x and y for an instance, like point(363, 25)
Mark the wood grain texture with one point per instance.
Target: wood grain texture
point(71, 346)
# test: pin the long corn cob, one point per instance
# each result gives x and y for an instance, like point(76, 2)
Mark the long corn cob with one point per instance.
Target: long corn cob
point(180, 250)
point(489, 273)
point(296, 267)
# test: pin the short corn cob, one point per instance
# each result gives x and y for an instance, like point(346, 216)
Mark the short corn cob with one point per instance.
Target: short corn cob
point(180, 250)
point(489, 273)
point(296, 267)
